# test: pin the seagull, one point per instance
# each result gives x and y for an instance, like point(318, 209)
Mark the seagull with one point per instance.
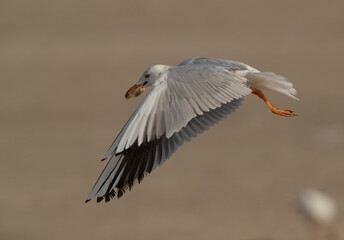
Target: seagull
point(184, 101)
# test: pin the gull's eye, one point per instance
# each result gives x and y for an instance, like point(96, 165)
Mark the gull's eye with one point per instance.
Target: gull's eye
point(147, 76)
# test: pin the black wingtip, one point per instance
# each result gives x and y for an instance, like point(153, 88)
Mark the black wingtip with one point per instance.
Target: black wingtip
point(87, 200)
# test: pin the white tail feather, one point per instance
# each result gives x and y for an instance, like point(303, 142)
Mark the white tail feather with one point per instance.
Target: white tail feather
point(271, 81)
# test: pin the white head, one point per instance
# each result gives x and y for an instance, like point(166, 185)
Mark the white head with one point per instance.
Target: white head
point(147, 79)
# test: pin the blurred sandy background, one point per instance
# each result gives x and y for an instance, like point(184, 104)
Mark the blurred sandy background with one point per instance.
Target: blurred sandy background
point(65, 66)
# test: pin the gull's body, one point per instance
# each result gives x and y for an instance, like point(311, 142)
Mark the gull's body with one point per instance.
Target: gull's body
point(185, 101)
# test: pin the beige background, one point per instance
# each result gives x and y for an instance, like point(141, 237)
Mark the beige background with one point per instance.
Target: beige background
point(65, 66)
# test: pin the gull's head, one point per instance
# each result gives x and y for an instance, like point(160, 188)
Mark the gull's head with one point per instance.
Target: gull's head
point(147, 79)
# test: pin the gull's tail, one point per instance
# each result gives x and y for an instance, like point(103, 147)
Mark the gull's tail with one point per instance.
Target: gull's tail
point(271, 81)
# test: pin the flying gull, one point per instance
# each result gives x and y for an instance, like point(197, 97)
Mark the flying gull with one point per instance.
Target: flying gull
point(185, 100)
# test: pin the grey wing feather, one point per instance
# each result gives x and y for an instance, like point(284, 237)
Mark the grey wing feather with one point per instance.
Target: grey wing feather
point(124, 169)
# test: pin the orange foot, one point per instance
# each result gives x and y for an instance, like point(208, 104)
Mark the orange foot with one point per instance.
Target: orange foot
point(281, 112)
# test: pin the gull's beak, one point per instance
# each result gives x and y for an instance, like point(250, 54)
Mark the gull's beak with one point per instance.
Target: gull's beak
point(135, 90)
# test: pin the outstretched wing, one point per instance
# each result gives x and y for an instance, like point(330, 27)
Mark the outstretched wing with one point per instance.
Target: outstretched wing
point(184, 102)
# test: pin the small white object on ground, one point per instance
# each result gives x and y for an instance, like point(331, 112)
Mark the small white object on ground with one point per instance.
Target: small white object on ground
point(319, 210)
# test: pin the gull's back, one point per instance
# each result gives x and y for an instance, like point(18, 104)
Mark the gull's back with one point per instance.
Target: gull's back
point(228, 64)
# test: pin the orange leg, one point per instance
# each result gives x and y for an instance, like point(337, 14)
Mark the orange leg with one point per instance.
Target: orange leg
point(281, 112)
